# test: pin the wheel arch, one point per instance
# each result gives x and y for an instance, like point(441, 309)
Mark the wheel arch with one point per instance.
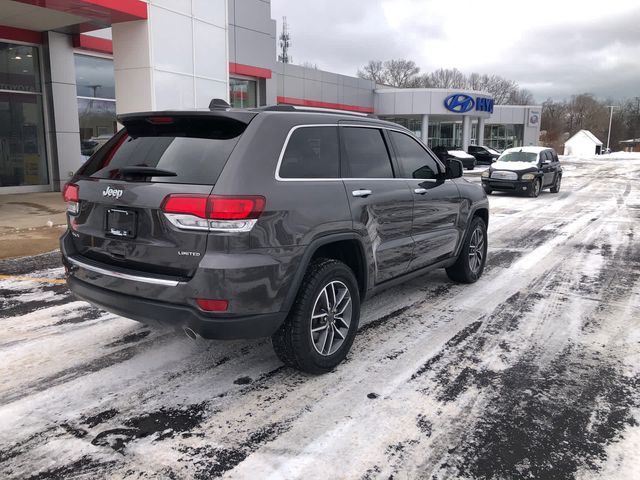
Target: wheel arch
point(346, 247)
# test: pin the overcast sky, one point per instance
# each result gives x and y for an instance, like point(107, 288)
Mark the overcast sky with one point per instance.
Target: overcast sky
point(555, 48)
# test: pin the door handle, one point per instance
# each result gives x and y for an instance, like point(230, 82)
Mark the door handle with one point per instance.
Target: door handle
point(361, 193)
point(420, 191)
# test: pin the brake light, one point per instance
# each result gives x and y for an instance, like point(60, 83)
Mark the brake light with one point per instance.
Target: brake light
point(188, 204)
point(235, 208)
point(212, 305)
point(71, 195)
point(160, 120)
point(214, 212)
point(70, 192)
point(215, 207)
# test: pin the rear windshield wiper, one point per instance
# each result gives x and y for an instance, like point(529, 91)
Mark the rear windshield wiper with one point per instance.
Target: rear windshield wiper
point(146, 172)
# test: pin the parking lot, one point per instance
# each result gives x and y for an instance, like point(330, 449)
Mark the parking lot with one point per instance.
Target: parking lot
point(532, 372)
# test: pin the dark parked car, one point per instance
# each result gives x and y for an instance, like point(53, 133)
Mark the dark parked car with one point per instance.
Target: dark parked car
point(483, 155)
point(526, 170)
point(445, 154)
point(267, 222)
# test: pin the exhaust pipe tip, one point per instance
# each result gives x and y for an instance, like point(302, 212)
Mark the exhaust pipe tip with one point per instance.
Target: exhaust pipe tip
point(190, 333)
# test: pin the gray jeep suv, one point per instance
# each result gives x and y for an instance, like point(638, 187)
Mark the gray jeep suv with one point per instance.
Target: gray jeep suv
point(273, 222)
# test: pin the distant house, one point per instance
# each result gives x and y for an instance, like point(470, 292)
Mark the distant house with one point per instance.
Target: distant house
point(631, 145)
point(583, 143)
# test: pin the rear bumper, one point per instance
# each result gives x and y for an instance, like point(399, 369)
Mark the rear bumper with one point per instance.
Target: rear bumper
point(255, 284)
point(507, 185)
point(156, 313)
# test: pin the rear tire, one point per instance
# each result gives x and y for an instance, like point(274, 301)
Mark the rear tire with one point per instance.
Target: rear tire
point(473, 255)
point(556, 185)
point(320, 328)
point(536, 187)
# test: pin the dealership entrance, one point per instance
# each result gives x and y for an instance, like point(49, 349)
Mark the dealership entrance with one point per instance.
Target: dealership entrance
point(23, 158)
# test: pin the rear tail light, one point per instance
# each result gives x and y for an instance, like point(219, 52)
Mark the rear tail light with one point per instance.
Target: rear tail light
point(70, 194)
point(213, 212)
point(212, 305)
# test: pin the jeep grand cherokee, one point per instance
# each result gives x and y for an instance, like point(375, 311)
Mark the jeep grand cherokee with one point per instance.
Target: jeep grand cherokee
point(268, 222)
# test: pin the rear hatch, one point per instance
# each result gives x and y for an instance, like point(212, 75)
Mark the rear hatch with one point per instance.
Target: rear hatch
point(122, 187)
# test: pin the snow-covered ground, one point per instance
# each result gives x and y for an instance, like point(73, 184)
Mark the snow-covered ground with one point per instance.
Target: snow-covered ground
point(532, 372)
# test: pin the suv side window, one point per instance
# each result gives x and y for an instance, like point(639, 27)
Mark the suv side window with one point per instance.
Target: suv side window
point(366, 153)
point(473, 148)
point(414, 160)
point(312, 152)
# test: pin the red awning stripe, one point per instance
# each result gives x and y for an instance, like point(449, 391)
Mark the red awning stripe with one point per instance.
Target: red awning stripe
point(315, 103)
point(95, 44)
point(249, 71)
point(20, 35)
point(103, 12)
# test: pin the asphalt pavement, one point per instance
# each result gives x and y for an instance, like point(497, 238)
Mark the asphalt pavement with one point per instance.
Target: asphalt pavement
point(532, 372)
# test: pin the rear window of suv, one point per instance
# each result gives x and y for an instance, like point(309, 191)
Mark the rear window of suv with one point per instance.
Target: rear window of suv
point(312, 152)
point(196, 150)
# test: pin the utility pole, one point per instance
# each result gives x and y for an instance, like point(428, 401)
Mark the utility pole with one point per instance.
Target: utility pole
point(611, 107)
point(285, 43)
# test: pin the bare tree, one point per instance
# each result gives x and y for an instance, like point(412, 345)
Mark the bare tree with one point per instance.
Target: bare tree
point(400, 72)
point(374, 70)
point(447, 78)
point(394, 73)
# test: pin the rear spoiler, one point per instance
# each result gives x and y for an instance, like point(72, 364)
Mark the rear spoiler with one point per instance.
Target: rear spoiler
point(242, 116)
point(220, 124)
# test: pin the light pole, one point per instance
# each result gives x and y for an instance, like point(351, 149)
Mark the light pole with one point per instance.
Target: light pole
point(610, 118)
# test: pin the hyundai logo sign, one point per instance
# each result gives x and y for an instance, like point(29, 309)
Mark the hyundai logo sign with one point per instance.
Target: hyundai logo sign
point(463, 103)
point(459, 103)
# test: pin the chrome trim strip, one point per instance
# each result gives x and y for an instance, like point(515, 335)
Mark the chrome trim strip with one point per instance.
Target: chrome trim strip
point(124, 276)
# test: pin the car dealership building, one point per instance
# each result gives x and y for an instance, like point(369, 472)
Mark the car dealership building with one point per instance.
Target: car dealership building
point(68, 66)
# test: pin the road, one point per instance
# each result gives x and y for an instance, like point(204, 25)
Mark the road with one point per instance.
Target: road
point(532, 372)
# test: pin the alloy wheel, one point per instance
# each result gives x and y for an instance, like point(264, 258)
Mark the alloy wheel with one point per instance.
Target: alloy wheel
point(331, 318)
point(476, 250)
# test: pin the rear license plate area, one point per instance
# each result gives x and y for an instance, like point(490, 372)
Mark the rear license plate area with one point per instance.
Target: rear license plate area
point(120, 223)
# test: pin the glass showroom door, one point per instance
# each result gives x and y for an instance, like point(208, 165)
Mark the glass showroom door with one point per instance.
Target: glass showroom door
point(23, 160)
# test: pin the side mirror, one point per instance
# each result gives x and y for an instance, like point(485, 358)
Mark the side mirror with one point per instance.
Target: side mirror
point(454, 168)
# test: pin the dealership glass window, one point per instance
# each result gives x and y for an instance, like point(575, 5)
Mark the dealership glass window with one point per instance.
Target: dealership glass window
point(95, 77)
point(503, 136)
point(444, 134)
point(243, 93)
point(95, 87)
point(22, 154)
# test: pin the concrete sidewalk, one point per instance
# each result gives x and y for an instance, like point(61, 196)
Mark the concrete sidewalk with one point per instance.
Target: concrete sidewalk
point(30, 223)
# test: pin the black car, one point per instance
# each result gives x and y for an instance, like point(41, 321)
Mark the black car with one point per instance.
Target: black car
point(275, 222)
point(525, 170)
point(484, 155)
point(453, 153)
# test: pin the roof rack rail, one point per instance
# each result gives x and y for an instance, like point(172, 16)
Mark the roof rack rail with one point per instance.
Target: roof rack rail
point(299, 108)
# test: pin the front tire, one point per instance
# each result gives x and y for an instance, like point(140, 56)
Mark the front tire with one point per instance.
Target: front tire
point(473, 255)
point(321, 326)
point(536, 187)
point(488, 190)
